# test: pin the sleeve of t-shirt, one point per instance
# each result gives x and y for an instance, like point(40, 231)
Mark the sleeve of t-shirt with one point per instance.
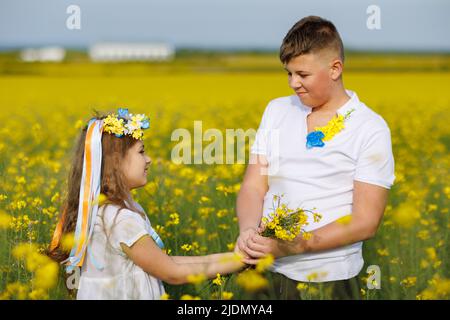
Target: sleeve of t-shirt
point(127, 228)
point(260, 145)
point(375, 164)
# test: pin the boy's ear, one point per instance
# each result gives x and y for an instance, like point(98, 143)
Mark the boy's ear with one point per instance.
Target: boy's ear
point(336, 68)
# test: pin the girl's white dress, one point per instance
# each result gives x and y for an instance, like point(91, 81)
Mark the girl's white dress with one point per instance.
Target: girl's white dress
point(107, 273)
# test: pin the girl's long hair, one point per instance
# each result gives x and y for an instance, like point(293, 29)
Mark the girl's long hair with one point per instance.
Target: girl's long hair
point(112, 183)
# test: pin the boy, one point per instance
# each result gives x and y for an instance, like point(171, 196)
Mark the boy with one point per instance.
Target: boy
point(346, 171)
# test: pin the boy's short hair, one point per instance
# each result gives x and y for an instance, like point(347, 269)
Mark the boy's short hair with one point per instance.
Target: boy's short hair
point(309, 35)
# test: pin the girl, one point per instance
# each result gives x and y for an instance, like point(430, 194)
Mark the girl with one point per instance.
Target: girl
point(119, 253)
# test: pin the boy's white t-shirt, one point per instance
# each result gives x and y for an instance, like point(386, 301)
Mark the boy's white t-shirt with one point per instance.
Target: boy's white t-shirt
point(322, 177)
point(120, 278)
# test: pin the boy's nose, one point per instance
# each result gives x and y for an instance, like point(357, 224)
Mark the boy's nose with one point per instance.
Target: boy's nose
point(295, 83)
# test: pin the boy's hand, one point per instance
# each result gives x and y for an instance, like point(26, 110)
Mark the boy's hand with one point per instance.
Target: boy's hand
point(241, 242)
point(259, 246)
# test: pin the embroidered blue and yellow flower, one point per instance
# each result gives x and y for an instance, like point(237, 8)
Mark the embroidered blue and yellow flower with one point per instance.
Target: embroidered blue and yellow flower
point(314, 139)
point(326, 133)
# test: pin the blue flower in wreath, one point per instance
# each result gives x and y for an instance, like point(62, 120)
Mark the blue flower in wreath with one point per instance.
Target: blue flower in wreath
point(145, 124)
point(123, 112)
point(314, 139)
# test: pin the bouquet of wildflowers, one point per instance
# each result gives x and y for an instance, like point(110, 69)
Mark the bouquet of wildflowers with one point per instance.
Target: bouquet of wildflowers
point(285, 223)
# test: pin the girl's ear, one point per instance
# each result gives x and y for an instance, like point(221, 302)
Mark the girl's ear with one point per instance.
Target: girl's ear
point(336, 68)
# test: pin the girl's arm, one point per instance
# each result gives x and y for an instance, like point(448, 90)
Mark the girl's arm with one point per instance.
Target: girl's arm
point(147, 255)
point(198, 259)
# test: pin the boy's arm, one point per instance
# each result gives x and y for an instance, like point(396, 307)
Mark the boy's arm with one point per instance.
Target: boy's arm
point(369, 202)
point(249, 205)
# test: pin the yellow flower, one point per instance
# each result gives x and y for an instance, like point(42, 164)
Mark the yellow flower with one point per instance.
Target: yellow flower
point(251, 280)
point(230, 246)
point(55, 197)
point(264, 263)
point(67, 241)
point(317, 217)
point(200, 231)
point(200, 178)
point(196, 278)
point(46, 276)
point(285, 223)
point(312, 276)
point(45, 270)
point(174, 219)
point(302, 286)
point(313, 291)
point(113, 125)
point(383, 252)
point(438, 288)
point(16, 289)
point(223, 226)
point(186, 247)
point(178, 192)
point(213, 235)
point(431, 253)
point(100, 200)
point(227, 295)
point(222, 213)
point(409, 282)
point(138, 134)
point(424, 264)
point(21, 180)
point(405, 215)
point(79, 124)
point(316, 276)
point(38, 294)
point(204, 199)
point(5, 220)
point(218, 281)
point(189, 297)
point(423, 234)
point(165, 296)
point(37, 202)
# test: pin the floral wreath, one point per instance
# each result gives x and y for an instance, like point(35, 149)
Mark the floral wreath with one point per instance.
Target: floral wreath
point(124, 123)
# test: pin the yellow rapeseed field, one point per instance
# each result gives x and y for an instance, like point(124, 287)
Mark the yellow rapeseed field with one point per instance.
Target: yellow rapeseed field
point(193, 206)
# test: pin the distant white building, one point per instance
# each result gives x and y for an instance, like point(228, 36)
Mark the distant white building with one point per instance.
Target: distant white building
point(131, 52)
point(45, 54)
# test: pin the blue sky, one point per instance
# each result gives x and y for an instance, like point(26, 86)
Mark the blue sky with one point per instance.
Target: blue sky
point(233, 24)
